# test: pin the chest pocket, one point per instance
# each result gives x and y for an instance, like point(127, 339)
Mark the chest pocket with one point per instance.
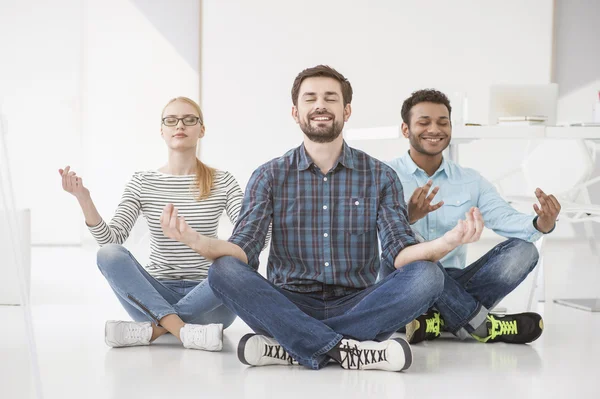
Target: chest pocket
point(455, 207)
point(355, 215)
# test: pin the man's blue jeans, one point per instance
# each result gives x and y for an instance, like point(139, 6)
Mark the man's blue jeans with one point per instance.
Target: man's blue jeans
point(148, 299)
point(308, 325)
point(469, 293)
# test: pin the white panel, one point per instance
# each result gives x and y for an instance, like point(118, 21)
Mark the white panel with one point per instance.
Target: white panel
point(252, 52)
point(139, 55)
point(40, 95)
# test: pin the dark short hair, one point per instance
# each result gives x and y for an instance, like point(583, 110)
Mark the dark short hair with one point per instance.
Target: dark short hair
point(422, 96)
point(324, 71)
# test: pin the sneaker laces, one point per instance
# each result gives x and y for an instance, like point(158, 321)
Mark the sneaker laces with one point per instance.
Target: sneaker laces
point(135, 332)
point(355, 357)
point(501, 327)
point(434, 324)
point(198, 336)
point(277, 352)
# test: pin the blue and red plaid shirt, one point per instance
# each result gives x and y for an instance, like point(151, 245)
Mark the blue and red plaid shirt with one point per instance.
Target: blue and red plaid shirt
point(324, 225)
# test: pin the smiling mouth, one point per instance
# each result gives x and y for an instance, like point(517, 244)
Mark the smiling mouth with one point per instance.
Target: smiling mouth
point(321, 118)
point(433, 139)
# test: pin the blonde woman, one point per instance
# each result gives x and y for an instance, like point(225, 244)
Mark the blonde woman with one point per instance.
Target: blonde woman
point(171, 294)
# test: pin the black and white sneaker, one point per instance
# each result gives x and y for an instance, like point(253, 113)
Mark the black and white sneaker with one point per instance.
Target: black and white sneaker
point(391, 355)
point(259, 350)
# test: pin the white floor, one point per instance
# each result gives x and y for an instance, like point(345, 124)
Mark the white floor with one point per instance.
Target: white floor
point(71, 301)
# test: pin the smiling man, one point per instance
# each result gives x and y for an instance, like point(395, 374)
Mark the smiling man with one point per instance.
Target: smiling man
point(469, 293)
point(328, 205)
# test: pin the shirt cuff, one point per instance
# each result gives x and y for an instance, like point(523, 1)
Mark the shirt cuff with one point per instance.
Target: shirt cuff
point(535, 226)
point(248, 248)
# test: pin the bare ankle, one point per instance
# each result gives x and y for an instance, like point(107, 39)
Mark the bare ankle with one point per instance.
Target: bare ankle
point(157, 331)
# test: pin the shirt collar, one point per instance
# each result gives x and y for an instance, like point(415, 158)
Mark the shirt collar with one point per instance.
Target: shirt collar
point(346, 158)
point(412, 167)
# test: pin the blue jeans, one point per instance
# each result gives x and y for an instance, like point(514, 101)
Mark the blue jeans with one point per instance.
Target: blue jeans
point(469, 293)
point(308, 325)
point(148, 299)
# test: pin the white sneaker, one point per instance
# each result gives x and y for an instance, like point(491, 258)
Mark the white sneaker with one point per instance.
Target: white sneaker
point(259, 350)
point(204, 337)
point(118, 334)
point(391, 355)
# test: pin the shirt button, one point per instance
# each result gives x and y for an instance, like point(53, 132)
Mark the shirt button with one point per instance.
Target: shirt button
point(325, 235)
point(324, 179)
point(326, 263)
point(457, 202)
point(324, 206)
point(356, 203)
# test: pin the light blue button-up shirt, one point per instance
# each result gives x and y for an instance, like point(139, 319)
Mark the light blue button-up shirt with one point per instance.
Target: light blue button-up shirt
point(460, 189)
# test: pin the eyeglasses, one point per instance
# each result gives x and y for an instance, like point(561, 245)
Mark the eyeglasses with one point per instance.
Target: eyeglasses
point(187, 121)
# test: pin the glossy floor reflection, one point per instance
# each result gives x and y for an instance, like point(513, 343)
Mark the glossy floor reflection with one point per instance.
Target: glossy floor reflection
point(71, 303)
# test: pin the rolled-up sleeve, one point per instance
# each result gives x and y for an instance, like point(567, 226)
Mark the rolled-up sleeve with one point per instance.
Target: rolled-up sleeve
point(395, 232)
point(502, 218)
point(255, 216)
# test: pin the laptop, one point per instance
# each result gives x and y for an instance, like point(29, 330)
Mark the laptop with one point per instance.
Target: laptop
point(523, 100)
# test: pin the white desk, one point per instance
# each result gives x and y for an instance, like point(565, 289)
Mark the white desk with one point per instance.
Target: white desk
point(466, 134)
point(525, 132)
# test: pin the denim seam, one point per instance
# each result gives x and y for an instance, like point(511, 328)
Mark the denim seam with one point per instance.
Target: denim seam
point(397, 326)
point(313, 363)
point(293, 354)
point(140, 306)
point(328, 347)
point(157, 280)
point(471, 316)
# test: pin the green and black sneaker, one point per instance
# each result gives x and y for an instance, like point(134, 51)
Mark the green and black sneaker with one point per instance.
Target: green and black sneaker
point(428, 326)
point(520, 328)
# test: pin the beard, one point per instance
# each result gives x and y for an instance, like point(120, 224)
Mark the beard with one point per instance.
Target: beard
point(416, 144)
point(321, 134)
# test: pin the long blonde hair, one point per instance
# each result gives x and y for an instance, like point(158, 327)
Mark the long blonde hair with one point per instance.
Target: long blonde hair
point(205, 175)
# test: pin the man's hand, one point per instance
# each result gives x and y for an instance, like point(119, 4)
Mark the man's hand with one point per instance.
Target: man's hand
point(466, 231)
point(547, 211)
point(419, 204)
point(175, 227)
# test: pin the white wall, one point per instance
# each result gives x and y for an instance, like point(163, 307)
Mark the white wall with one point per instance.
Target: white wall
point(83, 83)
point(40, 95)
point(138, 55)
point(97, 74)
point(577, 67)
point(252, 52)
point(577, 60)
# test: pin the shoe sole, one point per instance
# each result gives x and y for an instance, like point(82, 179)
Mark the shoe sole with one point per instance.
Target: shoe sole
point(408, 356)
point(411, 329)
point(242, 347)
point(539, 323)
point(106, 341)
point(219, 346)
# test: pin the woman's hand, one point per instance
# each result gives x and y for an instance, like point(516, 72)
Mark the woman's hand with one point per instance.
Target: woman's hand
point(175, 226)
point(73, 184)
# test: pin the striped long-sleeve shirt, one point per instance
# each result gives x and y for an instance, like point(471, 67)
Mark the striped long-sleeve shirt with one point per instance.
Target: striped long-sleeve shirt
point(148, 193)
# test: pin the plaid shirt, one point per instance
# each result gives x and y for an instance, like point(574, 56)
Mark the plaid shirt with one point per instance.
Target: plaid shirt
point(324, 225)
